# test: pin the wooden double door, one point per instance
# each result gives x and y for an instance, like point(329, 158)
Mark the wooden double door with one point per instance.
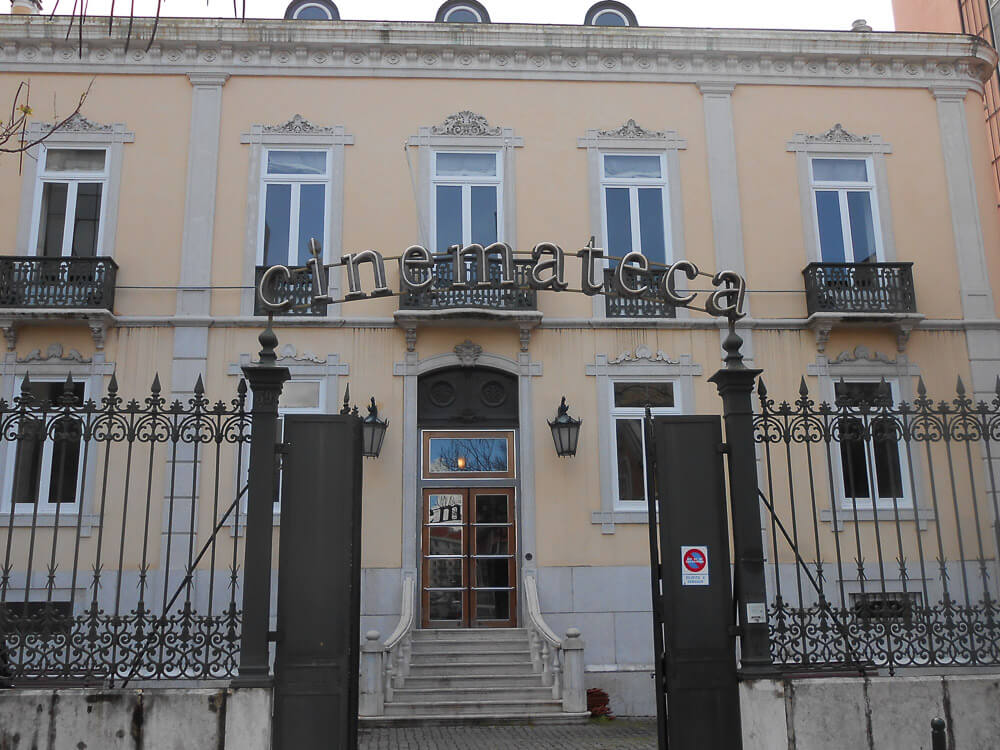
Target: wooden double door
point(469, 575)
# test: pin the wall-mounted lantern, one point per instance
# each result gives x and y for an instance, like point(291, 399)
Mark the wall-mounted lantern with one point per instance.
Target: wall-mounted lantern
point(565, 431)
point(373, 432)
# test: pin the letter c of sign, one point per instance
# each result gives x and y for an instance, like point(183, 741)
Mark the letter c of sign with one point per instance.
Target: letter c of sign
point(268, 278)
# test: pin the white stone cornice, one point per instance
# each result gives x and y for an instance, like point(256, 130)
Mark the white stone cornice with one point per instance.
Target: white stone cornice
point(407, 49)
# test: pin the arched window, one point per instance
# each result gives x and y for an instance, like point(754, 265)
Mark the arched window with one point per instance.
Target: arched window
point(462, 11)
point(312, 10)
point(610, 13)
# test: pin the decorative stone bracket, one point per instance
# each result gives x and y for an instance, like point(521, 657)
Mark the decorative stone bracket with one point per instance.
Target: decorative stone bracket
point(822, 325)
point(98, 323)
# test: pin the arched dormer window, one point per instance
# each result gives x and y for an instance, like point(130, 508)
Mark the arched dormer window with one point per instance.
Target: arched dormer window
point(312, 10)
point(462, 11)
point(610, 13)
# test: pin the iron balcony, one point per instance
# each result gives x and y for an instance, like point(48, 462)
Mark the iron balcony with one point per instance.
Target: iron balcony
point(59, 283)
point(647, 305)
point(298, 288)
point(443, 295)
point(867, 288)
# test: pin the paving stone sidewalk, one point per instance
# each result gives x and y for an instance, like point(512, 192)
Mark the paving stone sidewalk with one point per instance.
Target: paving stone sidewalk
point(620, 734)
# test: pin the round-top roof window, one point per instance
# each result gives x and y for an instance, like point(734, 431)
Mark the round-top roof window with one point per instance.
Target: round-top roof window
point(462, 11)
point(312, 10)
point(610, 13)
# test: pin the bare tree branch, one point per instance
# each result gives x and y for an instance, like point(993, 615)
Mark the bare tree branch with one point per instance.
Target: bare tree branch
point(16, 128)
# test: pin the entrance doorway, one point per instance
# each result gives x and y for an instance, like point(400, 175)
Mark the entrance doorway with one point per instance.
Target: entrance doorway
point(469, 565)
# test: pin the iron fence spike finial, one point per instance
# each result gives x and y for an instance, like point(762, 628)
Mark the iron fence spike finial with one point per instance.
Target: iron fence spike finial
point(761, 388)
point(347, 400)
point(242, 387)
point(199, 387)
point(113, 383)
point(268, 340)
point(803, 388)
point(156, 384)
point(960, 387)
point(922, 389)
point(996, 387)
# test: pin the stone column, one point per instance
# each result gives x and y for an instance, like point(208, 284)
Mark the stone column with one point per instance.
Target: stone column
point(574, 696)
point(372, 697)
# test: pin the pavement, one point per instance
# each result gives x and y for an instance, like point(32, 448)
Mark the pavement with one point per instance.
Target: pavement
point(619, 734)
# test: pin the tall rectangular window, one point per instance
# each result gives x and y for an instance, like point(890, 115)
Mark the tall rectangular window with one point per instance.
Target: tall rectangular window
point(872, 466)
point(466, 198)
point(634, 199)
point(294, 200)
point(72, 183)
point(628, 404)
point(846, 210)
point(46, 467)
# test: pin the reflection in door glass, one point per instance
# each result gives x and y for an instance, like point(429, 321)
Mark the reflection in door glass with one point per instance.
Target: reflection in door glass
point(444, 509)
point(463, 455)
point(491, 540)
point(445, 540)
point(492, 605)
point(491, 509)
point(445, 574)
point(445, 605)
point(492, 573)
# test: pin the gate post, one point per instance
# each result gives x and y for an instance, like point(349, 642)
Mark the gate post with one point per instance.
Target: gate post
point(735, 383)
point(266, 380)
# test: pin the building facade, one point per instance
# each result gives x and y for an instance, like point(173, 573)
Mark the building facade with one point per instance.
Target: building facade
point(220, 148)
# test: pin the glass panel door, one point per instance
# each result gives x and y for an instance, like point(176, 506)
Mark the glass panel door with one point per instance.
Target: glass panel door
point(469, 547)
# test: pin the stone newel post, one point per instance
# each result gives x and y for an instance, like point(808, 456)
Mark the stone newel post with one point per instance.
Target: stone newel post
point(574, 692)
point(372, 698)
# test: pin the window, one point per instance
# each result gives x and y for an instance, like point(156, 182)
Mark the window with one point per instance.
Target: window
point(634, 194)
point(71, 190)
point(870, 458)
point(294, 191)
point(45, 468)
point(628, 405)
point(609, 13)
point(846, 211)
point(462, 11)
point(466, 198)
point(312, 10)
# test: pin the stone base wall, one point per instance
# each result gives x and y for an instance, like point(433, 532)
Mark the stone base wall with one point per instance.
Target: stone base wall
point(136, 719)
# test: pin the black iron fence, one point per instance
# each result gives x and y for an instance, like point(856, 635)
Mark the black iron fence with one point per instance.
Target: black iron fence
point(882, 517)
point(28, 281)
point(122, 553)
point(874, 288)
point(443, 295)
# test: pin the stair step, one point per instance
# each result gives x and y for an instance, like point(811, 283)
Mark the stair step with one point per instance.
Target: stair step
point(464, 694)
point(458, 645)
point(435, 669)
point(464, 680)
point(470, 634)
point(471, 655)
point(465, 708)
point(419, 720)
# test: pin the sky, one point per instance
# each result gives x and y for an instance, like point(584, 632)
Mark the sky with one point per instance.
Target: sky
point(768, 14)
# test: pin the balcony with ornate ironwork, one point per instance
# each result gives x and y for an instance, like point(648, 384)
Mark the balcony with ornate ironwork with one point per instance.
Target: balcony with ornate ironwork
point(298, 288)
point(861, 294)
point(646, 305)
point(29, 282)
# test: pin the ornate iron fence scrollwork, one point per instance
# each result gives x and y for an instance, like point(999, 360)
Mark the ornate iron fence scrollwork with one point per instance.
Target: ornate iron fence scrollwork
point(882, 519)
point(113, 564)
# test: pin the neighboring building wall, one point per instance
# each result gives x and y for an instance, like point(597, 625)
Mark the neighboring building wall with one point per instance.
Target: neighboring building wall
point(928, 15)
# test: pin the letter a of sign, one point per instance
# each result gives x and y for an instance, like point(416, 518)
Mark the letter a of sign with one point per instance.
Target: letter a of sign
point(554, 263)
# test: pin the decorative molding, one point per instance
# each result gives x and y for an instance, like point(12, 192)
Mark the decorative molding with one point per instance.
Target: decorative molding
point(298, 125)
point(55, 351)
point(298, 130)
point(631, 129)
point(837, 134)
point(401, 49)
point(289, 353)
point(861, 353)
point(838, 139)
point(465, 123)
point(78, 124)
point(643, 352)
point(468, 353)
point(79, 129)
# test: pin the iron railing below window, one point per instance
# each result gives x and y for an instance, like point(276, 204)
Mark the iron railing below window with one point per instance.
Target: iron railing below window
point(37, 282)
point(298, 288)
point(881, 519)
point(113, 564)
point(443, 295)
point(646, 305)
point(873, 288)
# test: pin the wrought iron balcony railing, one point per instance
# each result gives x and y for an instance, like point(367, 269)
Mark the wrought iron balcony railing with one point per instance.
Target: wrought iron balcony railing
point(443, 295)
point(647, 305)
point(61, 283)
point(298, 288)
point(873, 288)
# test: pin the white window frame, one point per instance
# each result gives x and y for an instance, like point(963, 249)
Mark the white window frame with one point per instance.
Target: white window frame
point(842, 187)
point(72, 180)
point(298, 10)
point(296, 181)
point(634, 184)
point(466, 183)
point(848, 504)
point(469, 8)
point(65, 510)
point(623, 412)
point(613, 12)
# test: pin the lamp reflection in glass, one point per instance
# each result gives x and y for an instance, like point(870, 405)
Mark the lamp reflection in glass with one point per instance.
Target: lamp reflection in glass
point(565, 431)
point(373, 432)
point(461, 463)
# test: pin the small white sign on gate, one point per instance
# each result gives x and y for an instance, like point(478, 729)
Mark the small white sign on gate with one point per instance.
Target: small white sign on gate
point(694, 566)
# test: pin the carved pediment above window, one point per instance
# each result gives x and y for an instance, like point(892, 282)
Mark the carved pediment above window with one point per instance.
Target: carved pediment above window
point(837, 134)
point(55, 351)
point(77, 123)
point(861, 353)
point(643, 353)
point(465, 123)
point(468, 353)
point(631, 129)
point(298, 125)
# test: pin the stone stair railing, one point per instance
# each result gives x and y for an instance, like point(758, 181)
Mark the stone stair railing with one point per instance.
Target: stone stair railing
point(560, 662)
point(385, 665)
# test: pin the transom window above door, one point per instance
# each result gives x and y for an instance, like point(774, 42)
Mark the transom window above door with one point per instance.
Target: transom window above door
point(466, 206)
point(72, 184)
point(846, 211)
point(294, 195)
point(634, 202)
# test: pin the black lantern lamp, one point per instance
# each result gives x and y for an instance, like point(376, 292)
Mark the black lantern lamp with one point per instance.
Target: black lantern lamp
point(565, 431)
point(373, 432)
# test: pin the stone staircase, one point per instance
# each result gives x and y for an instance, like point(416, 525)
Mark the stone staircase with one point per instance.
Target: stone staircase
point(471, 677)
